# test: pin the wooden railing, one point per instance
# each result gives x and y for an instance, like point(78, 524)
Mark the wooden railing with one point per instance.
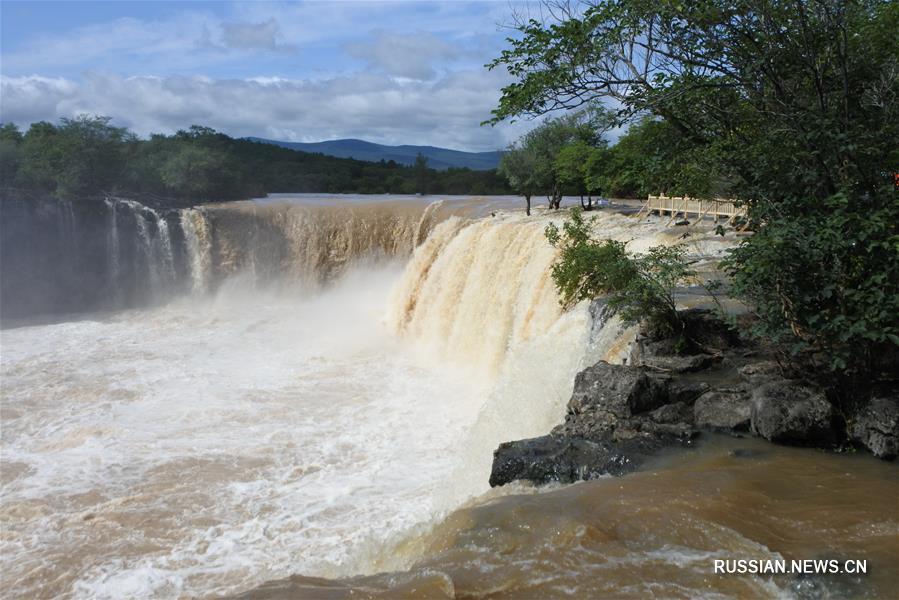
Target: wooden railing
point(684, 206)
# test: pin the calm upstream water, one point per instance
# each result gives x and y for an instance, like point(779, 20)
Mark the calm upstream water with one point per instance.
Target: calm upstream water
point(305, 401)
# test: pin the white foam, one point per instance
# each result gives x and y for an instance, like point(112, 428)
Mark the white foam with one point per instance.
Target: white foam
point(217, 444)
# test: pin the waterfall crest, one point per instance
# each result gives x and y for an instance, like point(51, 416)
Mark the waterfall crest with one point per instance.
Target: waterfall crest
point(475, 289)
point(115, 253)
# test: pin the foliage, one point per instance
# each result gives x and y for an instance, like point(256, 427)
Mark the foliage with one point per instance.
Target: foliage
point(791, 107)
point(422, 174)
point(639, 288)
point(654, 157)
point(10, 152)
point(838, 292)
point(532, 164)
point(519, 166)
point(586, 267)
point(88, 155)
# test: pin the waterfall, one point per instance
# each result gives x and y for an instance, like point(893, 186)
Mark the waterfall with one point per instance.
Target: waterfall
point(199, 247)
point(112, 242)
point(164, 247)
point(480, 293)
point(476, 289)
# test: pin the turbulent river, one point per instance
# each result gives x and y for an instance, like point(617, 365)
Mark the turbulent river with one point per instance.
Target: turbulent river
point(300, 396)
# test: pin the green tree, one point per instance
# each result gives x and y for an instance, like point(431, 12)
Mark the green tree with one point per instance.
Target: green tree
point(530, 164)
point(422, 174)
point(10, 153)
point(571, 167)
point(519, 166)
point(791, 106)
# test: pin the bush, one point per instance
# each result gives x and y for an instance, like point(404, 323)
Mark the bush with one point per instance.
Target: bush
point(639, 288)
point(826, 284)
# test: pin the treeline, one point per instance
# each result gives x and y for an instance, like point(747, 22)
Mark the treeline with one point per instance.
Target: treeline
point(570, 155)
point(88, 155)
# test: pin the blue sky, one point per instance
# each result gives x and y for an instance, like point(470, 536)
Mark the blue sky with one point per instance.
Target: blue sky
point(389, 72)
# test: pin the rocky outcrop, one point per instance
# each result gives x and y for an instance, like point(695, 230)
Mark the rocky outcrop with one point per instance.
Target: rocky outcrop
point(566, 459)
point(621, 415)
point(726, 409)
point(876, 427)
point(790, 411)
point(604, 395)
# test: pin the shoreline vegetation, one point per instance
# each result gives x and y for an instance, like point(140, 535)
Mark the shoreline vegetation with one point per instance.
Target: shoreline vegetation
point(88, 156)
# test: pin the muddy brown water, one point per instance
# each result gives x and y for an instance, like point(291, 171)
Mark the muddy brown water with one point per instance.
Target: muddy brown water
point(656, 533)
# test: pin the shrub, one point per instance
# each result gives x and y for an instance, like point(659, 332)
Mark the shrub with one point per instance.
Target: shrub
point(826, 283)
point(639, 288)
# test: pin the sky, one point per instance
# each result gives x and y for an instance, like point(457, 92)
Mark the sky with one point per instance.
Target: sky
point(387, 72)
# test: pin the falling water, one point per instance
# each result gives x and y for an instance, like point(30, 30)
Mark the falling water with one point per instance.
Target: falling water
point(199, 247)
point(112, 241)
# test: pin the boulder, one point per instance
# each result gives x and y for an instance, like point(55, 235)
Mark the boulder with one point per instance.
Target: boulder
point(876, 427)
point(760, 371)
point(723, 410)
point(564, 459)
point(790, 411)
point(678, 412)
point(680, 364)
point(604, 394)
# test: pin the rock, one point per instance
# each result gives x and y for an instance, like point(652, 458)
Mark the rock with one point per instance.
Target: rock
point(683, 390)
point(680, 364)
point(876, 427)
point(723, 410)
point(623, 390)
point(563, 459)
point(679, 412)
point(792, 412)
point(758, 372)
point(605, 394)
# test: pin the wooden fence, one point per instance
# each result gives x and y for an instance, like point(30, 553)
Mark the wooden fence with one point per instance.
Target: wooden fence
point(684, 206)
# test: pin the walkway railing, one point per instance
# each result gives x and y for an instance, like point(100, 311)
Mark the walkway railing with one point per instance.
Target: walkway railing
point(684, 206)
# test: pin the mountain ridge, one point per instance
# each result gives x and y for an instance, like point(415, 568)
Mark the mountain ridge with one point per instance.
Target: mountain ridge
point(438, 158)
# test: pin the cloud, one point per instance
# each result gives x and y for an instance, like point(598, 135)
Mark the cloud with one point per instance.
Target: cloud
point(403, 55)
point(444, 112)
point(253, 36)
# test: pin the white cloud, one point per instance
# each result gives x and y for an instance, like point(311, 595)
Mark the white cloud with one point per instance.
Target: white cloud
point(403, 55)
point(303, 71)
point(254, 36)
point(444, 112)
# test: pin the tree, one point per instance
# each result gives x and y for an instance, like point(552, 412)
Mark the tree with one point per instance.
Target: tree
point(531, 166)
point(792, 105)
point(10, 152)
point(422, 174)
point(571, 164)
point(519, 166)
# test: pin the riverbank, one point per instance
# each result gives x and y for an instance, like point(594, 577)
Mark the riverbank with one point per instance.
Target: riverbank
point(671, 390)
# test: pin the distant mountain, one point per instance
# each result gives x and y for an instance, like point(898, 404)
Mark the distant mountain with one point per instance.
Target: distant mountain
point(438, 158)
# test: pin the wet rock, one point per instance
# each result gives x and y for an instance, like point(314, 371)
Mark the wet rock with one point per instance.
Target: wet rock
point(791, 412)
point(876, 427)
point(564, 459)
point(683, 390)
point(723, 410)
point(604, 394)
point(758, 372)
point(678, 412)
point(680, 364)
